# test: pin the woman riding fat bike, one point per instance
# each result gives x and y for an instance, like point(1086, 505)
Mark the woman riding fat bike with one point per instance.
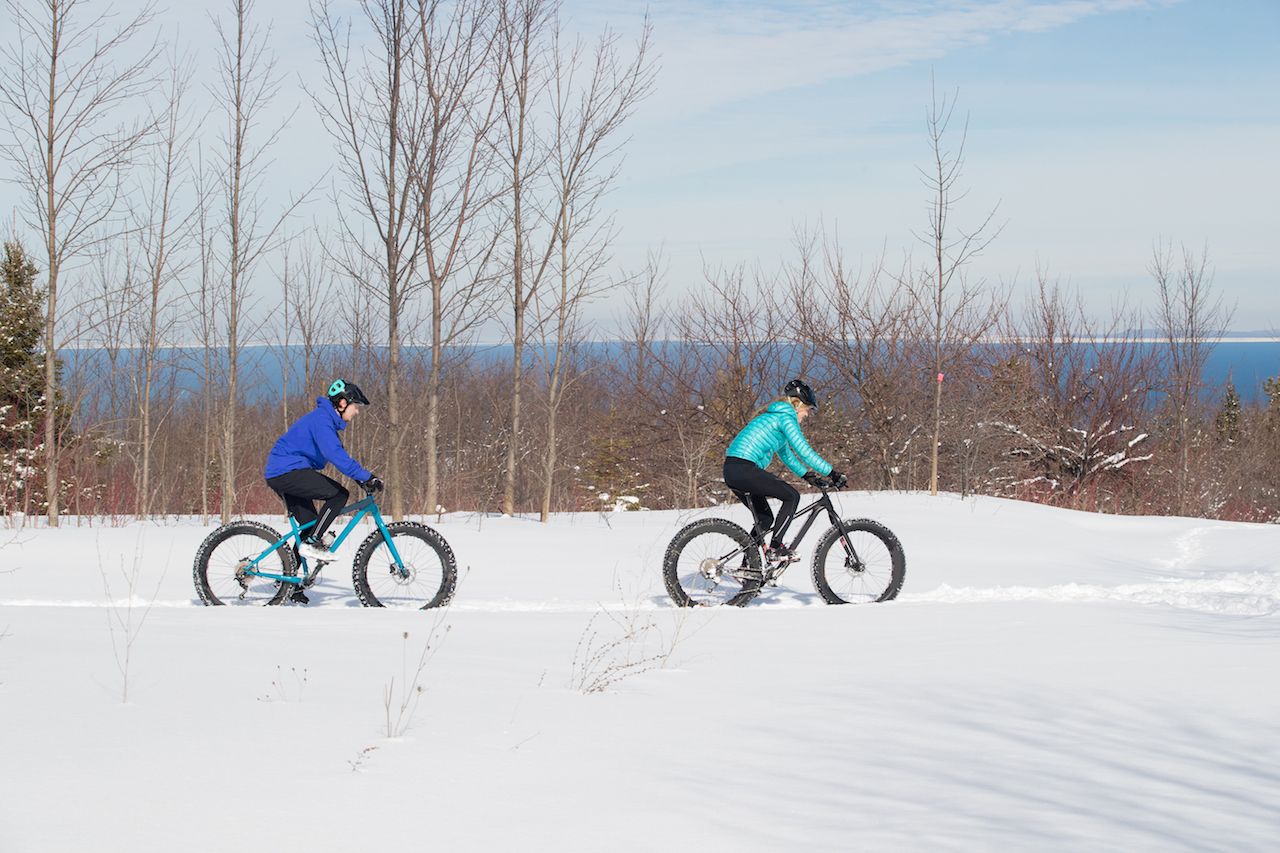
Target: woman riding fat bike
point(297, 458)
point(404, 564)
point(775, 431)
point(714, 561)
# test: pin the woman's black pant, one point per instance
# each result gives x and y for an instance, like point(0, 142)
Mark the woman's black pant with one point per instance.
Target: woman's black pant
point(300, 488)
point(752, 484)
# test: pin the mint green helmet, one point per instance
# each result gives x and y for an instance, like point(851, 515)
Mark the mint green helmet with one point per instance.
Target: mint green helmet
point(349, 391)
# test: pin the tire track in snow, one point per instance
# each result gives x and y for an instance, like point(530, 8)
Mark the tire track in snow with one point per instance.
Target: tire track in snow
point(1237, 594)
point(1234, 594)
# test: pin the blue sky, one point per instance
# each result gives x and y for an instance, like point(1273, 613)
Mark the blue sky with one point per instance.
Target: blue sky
point(1097, 126)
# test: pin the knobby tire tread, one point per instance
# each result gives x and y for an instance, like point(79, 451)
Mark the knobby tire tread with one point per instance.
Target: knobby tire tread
point(200, 569)
point(854, 525)
point(449, 571)
point(671, 561)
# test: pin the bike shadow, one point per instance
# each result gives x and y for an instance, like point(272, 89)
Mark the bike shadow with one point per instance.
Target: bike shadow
point(331, 594)
point(783, 597)
point(775, 597)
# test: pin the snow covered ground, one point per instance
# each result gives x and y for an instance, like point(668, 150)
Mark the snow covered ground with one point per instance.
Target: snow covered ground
point(1048, 680)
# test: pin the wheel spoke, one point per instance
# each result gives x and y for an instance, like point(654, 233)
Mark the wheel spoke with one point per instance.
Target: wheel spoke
point(714, 568)
point(866, 574)
point(423, 578)
point(227, 576)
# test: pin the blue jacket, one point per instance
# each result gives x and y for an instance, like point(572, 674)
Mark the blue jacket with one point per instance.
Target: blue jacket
point(776, 431)
point(313, 442)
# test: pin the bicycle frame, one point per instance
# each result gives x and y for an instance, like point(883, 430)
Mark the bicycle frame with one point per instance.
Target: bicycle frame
point(811, 511)
point(359, 509)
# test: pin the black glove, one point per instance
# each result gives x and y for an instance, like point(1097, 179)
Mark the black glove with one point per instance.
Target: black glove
point(838, 480)
point(372, 485)
point(816, 480)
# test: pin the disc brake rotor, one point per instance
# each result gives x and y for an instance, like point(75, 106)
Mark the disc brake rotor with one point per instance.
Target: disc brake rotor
point(403, 578)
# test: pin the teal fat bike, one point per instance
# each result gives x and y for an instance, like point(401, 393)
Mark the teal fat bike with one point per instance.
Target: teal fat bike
point(404, 564)
point(713, 561)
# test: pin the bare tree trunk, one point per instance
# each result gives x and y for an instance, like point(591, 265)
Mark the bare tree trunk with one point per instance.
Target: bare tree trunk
point(555, 375)
point(375, 115)
point(157, 231)
point(947, 310)
point(523, 26)
point(1192, 319)
point(430, 438)
point(584, 116)
point(453, 173)
point(247, 72)
point(207, 331)
point(235, 268)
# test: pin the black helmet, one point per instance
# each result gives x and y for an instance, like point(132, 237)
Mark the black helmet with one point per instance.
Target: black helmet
point(799, 389)
point(349, 391)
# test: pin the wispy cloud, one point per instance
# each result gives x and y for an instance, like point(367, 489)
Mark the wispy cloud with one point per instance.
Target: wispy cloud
point(716, 53)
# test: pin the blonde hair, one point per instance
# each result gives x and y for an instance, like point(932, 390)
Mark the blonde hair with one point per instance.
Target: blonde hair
point(795, 402)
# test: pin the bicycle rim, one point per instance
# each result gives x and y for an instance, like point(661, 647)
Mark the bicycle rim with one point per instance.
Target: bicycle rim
point(413, 587)
point(863, 576)
point(232, 582)
point(707, 577)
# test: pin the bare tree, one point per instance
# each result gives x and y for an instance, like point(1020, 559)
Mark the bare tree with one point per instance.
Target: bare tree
point(283, 327)
point(1191, 318)
point(457, 64)
point(525, 26)
point(586, 116)
point(730, 351)
point(65, 94)
point(956, 314)
point(209, 292)
point(249, 83)
point(1072, 400)
point(868, 339)
point(372, 111)
point(159, 227)
point(308, 289)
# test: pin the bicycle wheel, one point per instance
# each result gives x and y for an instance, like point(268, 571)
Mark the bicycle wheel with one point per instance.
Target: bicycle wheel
point(712, 562)
point(224, 555)
point(428, 578)
point(874, 571)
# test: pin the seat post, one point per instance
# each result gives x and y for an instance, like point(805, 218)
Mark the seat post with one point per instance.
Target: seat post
point(757, 533)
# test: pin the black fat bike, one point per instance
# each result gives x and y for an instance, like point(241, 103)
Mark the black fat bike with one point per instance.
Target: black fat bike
point(714, 561)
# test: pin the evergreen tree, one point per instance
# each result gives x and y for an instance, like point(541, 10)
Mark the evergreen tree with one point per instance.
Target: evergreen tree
point(1271, 387)
point(612, 465)
point(21, 378)
point(1227, 422)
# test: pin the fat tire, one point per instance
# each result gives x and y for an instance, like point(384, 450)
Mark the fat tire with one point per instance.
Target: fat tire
point(448, 564)
point(200, 570)
point(724, 527)
point(898, 560)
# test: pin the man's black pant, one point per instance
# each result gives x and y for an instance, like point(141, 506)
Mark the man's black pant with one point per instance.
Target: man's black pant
point(752, 484)
point(300, 488)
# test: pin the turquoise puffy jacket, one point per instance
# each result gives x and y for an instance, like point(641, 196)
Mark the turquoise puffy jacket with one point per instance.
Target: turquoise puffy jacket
point(776, 431)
